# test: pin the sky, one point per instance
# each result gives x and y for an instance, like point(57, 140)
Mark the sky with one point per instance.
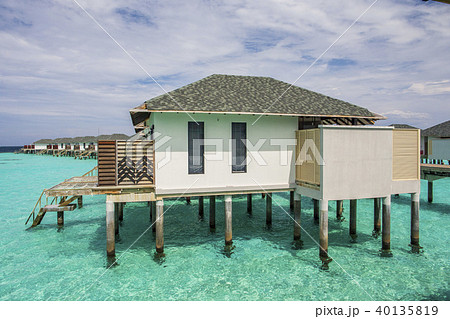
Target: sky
point(62, 75)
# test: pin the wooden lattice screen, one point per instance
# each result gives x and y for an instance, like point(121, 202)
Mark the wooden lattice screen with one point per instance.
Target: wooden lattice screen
point(125, 163)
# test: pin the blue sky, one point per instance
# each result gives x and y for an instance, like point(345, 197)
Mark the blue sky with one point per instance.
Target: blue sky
point(61, 75)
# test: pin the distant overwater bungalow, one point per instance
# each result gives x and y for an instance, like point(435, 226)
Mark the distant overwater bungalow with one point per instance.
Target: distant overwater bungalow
point(227, 135)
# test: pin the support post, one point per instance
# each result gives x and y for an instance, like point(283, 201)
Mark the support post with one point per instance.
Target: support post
point(316, 210)
point(249, 203)
point(228, 220)
point(269, 209)
point(110, 230)
point(212, 212)
point(60, 219)
point(201, 213)
point(376, 217)
point(291, 200)
point(151, 211)
point(116, 218)
point(80, 201)
point(353, 209)
point(339, 210)
point(159, 227)
point(121, 211)
point(430, 191)
point(297, 217)
point(386, 228)
point(323, 234)
point(415, 247)
point(153, 216)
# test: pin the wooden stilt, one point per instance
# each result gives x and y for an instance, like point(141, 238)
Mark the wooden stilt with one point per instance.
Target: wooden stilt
point(228, 220)
point(60, 219)
point(151, 211)
point(201, 213)
point(415, 223)
point(386, 228)
point(353, 209)
point(212, 212)
point(269, 209)
point(249, 203)
point(121, 211)
point(110, 230)
point(80, 201)
point(154, 217)
point(297, 217)
point(159, 226)
point(116, 217)
point(291, 200)
point(316, 210)
point(339, 209)
point(323, 234)
point(376, 217)
point(430, 191)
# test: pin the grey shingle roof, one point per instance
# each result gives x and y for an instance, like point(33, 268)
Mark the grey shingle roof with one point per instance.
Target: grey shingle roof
point(439, 130)
point(83, 139)
point(253, 94)
point(403, 126)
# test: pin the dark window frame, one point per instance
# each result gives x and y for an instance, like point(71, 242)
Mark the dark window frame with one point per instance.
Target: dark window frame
point(238, 147)
point(196, 130)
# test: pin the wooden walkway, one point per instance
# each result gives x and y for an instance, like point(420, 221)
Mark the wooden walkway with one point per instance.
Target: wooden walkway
point(432, 172)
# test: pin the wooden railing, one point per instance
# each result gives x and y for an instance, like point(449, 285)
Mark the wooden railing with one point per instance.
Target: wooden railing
point(126, 163)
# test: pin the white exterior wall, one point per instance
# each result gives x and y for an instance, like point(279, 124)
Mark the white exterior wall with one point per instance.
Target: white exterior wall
point(40, 146)
point(173, 177)
point(358, 162)
point(440, 148)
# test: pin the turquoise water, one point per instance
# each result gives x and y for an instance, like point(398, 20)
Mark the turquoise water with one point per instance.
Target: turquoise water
point(45, 263)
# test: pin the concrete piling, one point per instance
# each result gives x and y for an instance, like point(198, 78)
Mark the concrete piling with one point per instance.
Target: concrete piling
point(316, 210)
point(159, 226)
point(201, 213)
point(415, 247)
point(297, 217)
point(323, 234)
point(121, 211)
point(386, 228)
point(339, 209)
point(228, 220)
point(80, 202)
point(269, 209)
point(376, 217)
point(60, 219)
point(212, 212)
point(116, 218)
point(110, 230)
point(430, 191)
point(291, 200)
point(153, 204)
point(353, 210)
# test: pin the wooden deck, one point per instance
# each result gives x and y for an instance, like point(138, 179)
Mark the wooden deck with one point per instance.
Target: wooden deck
point(75, 186)
point(435, 170)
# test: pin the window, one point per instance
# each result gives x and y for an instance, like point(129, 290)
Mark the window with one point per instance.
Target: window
point(239, 150)
point(196, 148)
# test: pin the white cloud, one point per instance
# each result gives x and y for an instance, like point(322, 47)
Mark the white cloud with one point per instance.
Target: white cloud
point(431, 88)
point(58, 61)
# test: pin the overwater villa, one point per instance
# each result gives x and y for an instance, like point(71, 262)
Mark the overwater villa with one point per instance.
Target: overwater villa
point(227, 135)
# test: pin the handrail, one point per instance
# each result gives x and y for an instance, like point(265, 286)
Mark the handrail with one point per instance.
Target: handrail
point(91, 172)
point(34, 208)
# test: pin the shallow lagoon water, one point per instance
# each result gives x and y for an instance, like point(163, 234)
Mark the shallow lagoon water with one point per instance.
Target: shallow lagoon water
point(47, 263)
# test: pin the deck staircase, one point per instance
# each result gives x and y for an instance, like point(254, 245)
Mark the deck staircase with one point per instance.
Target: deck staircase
point(64, 205)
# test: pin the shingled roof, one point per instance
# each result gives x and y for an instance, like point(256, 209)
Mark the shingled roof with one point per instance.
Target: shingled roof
point(439, 130)
point(252, 94)
point(403, 126)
